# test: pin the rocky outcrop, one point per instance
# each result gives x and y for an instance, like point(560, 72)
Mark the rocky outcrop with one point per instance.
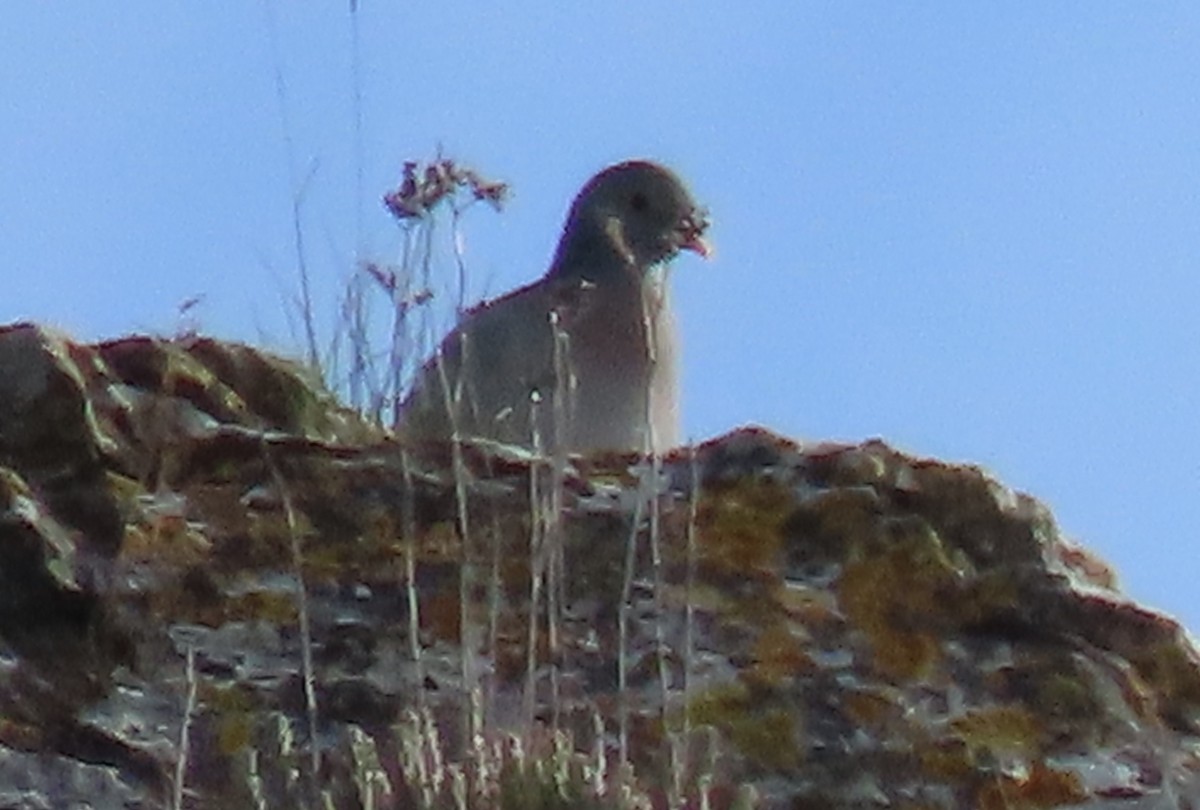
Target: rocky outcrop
point(220, 589)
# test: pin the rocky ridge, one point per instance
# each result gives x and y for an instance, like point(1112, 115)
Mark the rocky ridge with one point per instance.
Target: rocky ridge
point(219, 588)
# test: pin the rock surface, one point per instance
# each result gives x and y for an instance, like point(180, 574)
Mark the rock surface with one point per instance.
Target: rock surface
point(220, 589)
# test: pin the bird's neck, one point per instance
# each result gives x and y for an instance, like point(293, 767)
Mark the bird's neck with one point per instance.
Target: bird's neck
point(590, 253)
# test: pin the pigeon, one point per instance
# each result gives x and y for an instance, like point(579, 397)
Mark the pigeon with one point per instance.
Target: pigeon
point(585, 359)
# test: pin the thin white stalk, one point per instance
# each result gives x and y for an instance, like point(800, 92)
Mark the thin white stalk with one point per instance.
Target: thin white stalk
point(623, 612)
point(452, 400)
point(306, 651)
point(536, 543)
point(400, 345)
point(494, 609)
point(689, 623)
point(408, 515)
point(564, 378)
point(189, 709)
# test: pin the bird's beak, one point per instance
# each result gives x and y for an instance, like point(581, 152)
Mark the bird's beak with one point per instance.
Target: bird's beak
point(691, 234)
point(698, 245)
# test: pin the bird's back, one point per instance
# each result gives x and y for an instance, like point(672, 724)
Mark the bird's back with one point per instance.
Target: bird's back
point(481, 379)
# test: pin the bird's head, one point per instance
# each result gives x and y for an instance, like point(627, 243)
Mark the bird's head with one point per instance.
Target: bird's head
point(637, 211)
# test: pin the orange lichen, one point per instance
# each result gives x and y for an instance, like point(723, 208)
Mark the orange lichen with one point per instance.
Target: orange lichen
point(266, 543)
point(896, 598)
point(946, 760)
point(838, 523)
point(1173, 673)
point(985, 596)
point(871, 709)
point(166, 538)
point(740, 528)
point(21, 735)
point(1087, 564)
point(1066, 701)
point(779, 656)
point(808, 606)
point(235, 711)
point(441, 615)
point(1042, 787)
point(1000, 730)
point(276, 607)
point(768, 736)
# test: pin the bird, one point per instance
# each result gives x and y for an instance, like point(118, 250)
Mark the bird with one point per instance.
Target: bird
point(585, 360)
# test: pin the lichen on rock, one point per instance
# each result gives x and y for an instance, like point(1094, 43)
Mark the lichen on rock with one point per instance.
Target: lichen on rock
point(373, 624)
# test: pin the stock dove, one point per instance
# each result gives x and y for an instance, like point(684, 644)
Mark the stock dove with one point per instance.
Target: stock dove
point(585, 359)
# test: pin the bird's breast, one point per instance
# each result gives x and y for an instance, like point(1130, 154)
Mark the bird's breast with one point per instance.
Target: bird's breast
point(622, 353)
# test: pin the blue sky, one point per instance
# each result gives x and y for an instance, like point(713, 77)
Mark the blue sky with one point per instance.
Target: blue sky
point(972, 230)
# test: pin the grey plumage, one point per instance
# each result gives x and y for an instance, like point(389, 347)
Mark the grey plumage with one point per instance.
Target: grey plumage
point(586, 358)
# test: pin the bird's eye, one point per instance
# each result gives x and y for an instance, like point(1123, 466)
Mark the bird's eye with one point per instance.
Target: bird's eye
point(639, 202)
